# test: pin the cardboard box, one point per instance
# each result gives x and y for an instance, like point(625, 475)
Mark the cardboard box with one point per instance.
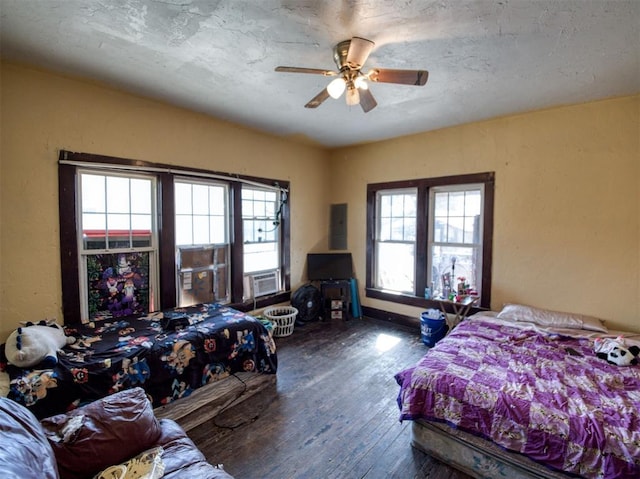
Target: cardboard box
point(196, 258)
point(196, 287)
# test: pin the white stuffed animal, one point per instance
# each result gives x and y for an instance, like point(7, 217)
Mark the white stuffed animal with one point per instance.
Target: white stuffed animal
point(615, 351)
point(34, 344)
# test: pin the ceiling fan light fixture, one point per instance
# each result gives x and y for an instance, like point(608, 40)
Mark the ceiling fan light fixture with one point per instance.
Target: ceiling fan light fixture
point(350, 56)
point(336, 87)
point(361, 82)
point(353, 97)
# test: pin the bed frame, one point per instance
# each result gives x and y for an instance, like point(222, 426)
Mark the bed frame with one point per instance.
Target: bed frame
point(210, 400)
point(475, 456)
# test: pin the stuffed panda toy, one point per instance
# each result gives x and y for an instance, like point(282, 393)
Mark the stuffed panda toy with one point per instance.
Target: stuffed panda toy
point(615, 351)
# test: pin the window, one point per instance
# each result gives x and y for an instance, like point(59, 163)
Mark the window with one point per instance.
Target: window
point(425, 233)
point(260, 229)
point(118, 244)
point(202, 242)
point(396, 240)
point(455, 240)
point(137, 237)
point(261, 210)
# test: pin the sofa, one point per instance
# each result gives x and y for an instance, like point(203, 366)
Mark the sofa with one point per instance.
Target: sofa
point(95, 438)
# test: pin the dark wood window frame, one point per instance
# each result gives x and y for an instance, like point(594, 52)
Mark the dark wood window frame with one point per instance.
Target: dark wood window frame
point(68, 165)
point(422, 224)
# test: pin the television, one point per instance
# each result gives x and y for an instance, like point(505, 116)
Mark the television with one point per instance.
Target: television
point(329, 266)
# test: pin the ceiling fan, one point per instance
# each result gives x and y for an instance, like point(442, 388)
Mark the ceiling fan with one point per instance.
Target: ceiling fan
point(350, 56)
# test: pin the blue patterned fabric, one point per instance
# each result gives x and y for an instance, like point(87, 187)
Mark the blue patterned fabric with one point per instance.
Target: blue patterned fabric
point(112, 354)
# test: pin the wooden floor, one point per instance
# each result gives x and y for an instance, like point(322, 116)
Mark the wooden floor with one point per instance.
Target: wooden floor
point(333, 413)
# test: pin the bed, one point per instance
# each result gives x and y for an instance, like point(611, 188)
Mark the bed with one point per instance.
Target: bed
point(521, 393)
point(171, 354)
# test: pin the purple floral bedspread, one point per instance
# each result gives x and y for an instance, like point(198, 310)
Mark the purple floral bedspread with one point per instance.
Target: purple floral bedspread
point(544, 395)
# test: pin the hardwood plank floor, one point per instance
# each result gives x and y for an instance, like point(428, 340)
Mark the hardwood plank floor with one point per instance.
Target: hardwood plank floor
point(332, 414)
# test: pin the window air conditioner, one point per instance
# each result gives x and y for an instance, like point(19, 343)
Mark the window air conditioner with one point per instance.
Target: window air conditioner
point(264, 283)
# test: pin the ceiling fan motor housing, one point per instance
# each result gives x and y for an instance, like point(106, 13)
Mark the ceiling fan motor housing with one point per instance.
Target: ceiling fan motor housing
point(340, 54)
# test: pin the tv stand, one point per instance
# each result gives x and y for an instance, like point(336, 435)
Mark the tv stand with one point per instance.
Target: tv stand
point(336, 299)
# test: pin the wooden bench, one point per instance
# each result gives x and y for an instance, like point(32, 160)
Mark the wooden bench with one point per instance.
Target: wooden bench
point(208, 401)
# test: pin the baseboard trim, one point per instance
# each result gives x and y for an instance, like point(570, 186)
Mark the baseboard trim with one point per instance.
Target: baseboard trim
point(388, 316)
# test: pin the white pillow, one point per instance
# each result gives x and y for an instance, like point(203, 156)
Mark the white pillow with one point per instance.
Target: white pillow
point(548, 318)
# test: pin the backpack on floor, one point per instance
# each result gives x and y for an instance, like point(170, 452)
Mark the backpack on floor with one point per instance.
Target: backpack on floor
point(308, 301)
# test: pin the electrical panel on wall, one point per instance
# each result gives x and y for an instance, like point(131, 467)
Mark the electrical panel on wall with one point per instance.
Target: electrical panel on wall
point(338, 227)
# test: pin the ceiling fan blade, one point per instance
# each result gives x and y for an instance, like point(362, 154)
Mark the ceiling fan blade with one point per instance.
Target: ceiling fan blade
point(359, 51)
point(316, 71)
point(367, 102)
point(404, 77)
point(317, 100)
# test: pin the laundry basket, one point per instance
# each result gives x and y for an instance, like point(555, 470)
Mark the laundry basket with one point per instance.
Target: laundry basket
point(284, 318)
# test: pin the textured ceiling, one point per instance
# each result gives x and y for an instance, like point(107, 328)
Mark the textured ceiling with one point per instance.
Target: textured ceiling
point(485, 58)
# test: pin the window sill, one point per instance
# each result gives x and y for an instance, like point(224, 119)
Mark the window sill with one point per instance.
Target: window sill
point(410, 300)
point(262, 302)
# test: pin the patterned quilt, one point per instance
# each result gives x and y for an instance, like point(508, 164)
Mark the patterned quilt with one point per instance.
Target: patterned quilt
point(541, 394)
point(169, 354)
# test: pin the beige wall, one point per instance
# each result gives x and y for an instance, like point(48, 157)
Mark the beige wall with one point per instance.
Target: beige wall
point(43, 113)
point(567, 202)
point(567, 214)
